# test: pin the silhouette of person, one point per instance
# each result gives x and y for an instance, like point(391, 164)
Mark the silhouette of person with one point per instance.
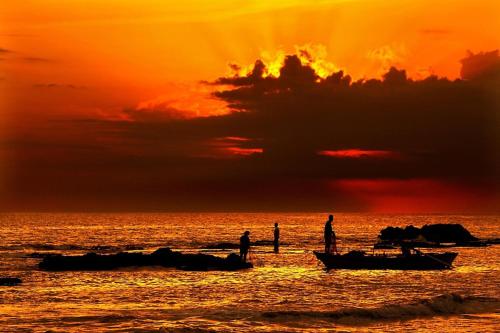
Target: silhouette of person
point(405, 249)
point(244, 245)
point(276, 241)
point(330, 239)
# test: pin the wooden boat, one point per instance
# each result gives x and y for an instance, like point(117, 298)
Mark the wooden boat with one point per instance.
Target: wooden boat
point(360, 260)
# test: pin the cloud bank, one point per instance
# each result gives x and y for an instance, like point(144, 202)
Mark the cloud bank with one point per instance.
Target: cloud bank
point(294, 141)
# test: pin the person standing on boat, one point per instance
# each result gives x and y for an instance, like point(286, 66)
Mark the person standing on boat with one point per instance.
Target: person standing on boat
point(244, 245)
point(330, 239)
point(276, 241)
point(405, 249)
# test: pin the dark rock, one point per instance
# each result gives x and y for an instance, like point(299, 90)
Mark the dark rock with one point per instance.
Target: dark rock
point(397, 233)
point(164, 257)
point(446, 233)
point(162, 251)
point(203, 262)
point(10, 281)
point(355, 253)
point(439, 233)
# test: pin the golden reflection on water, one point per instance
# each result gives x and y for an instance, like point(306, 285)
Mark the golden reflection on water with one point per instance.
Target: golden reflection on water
point(292, 280)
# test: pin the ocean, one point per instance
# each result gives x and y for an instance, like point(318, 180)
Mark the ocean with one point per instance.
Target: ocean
point(286, 292)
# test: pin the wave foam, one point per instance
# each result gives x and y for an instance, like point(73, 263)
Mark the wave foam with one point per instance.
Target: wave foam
point(443, 305)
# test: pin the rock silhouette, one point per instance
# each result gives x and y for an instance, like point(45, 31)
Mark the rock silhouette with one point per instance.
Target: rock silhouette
point(430, 235)
point(10, 281)
point(164, 257)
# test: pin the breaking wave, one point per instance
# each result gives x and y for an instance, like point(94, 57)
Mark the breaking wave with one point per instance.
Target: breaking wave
point(443, 305)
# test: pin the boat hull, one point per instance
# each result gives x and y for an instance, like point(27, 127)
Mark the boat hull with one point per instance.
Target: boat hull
point(412, 262)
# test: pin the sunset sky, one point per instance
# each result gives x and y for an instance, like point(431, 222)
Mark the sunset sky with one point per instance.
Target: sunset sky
point(161, 105)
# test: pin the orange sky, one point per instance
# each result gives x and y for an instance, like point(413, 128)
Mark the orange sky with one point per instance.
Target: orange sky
point(91, 59)
point(134, 51)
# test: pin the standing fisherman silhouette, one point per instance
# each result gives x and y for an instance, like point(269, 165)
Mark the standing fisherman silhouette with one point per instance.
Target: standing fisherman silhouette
point(244, 245)
point(330, 239)
point(276, 241)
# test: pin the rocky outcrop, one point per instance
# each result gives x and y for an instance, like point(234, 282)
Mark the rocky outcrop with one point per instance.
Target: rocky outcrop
point(430, 235)
point(447, 233)
point(164, 257)
point(10, 281)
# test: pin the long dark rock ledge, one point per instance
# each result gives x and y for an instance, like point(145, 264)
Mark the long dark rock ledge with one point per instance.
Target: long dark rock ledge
point(164, 257)
point(430, 235)
point(9, 281)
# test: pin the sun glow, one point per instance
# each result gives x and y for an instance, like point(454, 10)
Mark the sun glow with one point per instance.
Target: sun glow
point(128, 53)
point(358, 153)
point(312, 55)
point(414, 195)
point(185, 101)
point(123, 94)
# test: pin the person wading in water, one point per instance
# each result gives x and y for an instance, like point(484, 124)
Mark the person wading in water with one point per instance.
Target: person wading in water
point(276, 241)
point(330, 239)
point(244, 245)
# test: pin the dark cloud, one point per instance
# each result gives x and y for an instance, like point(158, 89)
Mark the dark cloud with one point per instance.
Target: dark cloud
point(446, 128)
point(437, 32)
point(4, 51)
point(37, 60)
point(28, 59)
point(160, 113)
point(428, 129)
point(481, 66)
point(58, 85)
point(255, 75)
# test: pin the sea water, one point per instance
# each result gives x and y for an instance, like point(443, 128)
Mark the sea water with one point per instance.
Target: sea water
point(285, 292)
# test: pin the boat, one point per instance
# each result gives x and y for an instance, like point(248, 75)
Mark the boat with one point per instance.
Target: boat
point(361, 260)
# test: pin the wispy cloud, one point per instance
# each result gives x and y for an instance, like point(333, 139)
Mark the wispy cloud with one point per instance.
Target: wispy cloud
point(435, 31)
point(37, 60)
point(58, 85)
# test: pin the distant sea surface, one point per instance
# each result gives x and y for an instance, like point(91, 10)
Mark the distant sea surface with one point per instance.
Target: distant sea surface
point(285, 292)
